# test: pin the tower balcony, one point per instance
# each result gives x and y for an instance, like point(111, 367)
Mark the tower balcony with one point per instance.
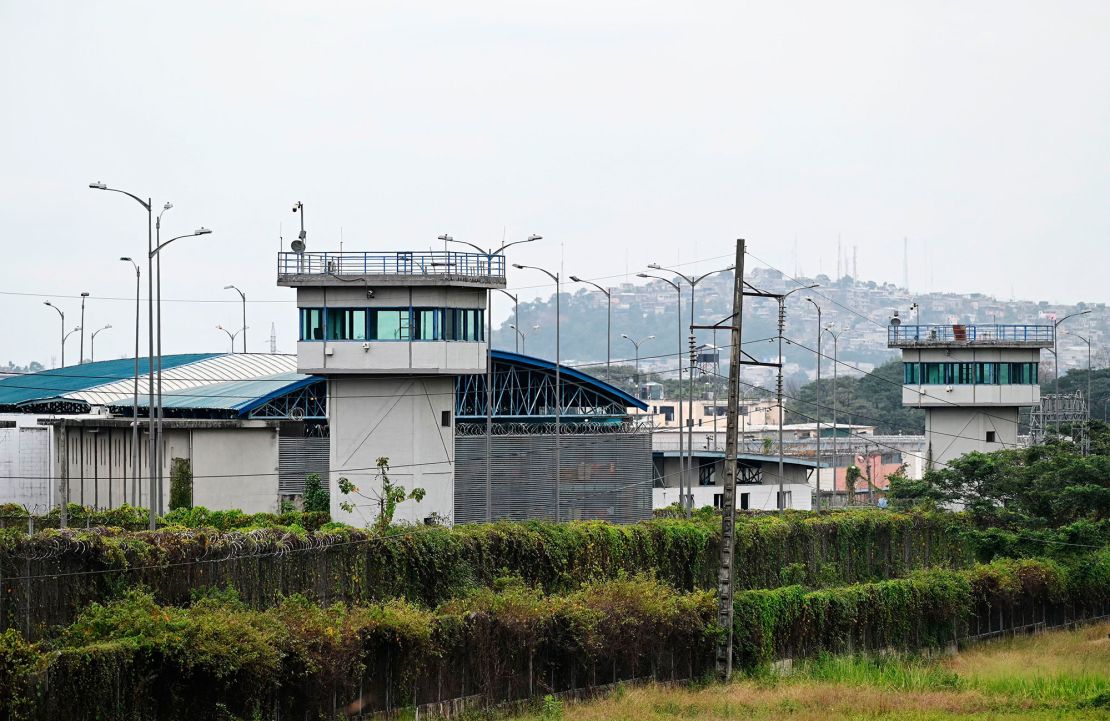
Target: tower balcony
point(970, 335)
point(399, 268)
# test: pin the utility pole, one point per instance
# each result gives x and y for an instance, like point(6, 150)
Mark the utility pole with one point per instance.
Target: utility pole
point(725, 573)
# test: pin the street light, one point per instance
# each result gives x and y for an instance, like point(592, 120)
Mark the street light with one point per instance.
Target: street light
point(92, 342)
point(65, 337)
point(521, 337)
point(516, 314)
point(778, 389)
point(156, 252)
point(558, 383)
point(63, 315)
point(244, 297)
point(836, 342)
point(230, 336)
point(608, 322)
point(1056, 361)
point(489, 356)
point(153, 518)
point(637, 344)
point(693, 281)
point(135, 396)
point(818, 390)
point(81, 347)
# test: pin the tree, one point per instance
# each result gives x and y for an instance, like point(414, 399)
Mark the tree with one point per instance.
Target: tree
point(386, 500)
point(316, 497)
point(873, 399)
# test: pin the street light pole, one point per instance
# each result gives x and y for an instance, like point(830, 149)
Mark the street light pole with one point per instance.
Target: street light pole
point(92, 342)
point(230, 336)
point(689, 429)
point(608, 322)
point(836, 433)
point(516, 316)
point(636, 344)
point(521, 338)
point(135, 396)
point(150, 322)
point(489, 358)
point(244, 327)
point(781, 503)
point(81, 347)
point(1056, 362)
point(558, 385)
point(819, 359)
point(156, 254)
point(63, 315)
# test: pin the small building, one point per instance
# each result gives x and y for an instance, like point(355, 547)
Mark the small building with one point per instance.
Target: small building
point(971, 381)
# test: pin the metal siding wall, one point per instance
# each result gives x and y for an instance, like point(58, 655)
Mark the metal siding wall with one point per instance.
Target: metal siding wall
point(297, 457)
point(605, 476)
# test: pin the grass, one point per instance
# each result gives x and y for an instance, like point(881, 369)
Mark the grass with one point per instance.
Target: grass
point(1059, 675)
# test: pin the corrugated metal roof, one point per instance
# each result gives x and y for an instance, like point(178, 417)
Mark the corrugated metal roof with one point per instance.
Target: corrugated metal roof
point(204, 371)
point(585, 379)
point(69, 381)
point(238, 396)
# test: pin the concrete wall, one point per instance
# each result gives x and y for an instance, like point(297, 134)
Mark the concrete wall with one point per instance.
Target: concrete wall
point(398, 418)
point(952, 432)
point(979, 395)
point(760, 497)
point(26, 463)
point(236, 469)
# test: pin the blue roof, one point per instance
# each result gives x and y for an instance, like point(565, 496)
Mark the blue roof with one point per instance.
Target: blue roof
point(589, 381)
point(71, 379)
point(239, 396)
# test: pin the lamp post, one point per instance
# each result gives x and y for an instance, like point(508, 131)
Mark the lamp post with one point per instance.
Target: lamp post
point(693, 281)
point(156, 252)
point(81, 347)
point(819, 359)
point(65, 336)
point(636, 344)
point(135, 396)
point(516, 316)
point(230, 336)
point(244, 326)
point(521, 336)
point(92, 342)
point(836, 341)
point(489, 358)
point(681, 438)
point(1056, 362)
point(150, 321)
point(63, 316)
point(608, 322)
point(558, 384)
point(781, 504)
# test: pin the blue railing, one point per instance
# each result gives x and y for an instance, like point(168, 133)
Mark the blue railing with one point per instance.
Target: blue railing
point(973, 333)
point(435, 262)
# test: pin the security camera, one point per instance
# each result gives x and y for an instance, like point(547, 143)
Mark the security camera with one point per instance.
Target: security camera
point(296, 205)
point(369, 292)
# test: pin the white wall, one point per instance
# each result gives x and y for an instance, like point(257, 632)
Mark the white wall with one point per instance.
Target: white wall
point(397, 418)
point(236, 469)
point(761, 497)
point(26, 467)
point(952, 432)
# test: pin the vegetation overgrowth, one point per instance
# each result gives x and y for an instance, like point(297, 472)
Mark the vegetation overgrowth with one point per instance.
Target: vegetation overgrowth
point(1051, 676)
point(429, 565)
point(134, 657)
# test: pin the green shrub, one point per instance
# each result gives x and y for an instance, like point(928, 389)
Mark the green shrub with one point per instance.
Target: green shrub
point(181, 483)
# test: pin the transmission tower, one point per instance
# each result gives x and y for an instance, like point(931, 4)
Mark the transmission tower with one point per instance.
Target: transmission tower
point(273, 338)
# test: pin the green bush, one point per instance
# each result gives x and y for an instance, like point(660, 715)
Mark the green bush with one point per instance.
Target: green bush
point(181, 483)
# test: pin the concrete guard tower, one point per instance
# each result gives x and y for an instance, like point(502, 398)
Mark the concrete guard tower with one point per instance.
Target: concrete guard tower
point(391, 331)
point(971, 380)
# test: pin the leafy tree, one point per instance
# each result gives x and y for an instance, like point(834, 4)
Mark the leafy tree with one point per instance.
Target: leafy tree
point(316, 497)
point(387, 500)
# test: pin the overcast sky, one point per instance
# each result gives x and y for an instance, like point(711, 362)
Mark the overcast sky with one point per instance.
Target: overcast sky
point(623, 132)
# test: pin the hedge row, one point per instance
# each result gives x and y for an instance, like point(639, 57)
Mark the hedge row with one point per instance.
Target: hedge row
point(16, 516)
point(134, 658)
point(928, 609)
point(47, 578)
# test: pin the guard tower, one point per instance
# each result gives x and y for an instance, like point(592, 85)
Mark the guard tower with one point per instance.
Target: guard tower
point(391, 332)
point(971, 380)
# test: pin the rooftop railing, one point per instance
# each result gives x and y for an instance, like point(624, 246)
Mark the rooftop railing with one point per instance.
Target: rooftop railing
point(957, 334)
point(431, 263)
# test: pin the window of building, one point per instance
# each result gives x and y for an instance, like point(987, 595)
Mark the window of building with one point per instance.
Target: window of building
point(718, 500)
point(312, 323)
point(706, 474)
point(426, 325)
point(969, 373)
point(991, 437)
point(463, 324)
point(346, 323)
point(389, 324)
point(667, 411)
point(745, 501)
